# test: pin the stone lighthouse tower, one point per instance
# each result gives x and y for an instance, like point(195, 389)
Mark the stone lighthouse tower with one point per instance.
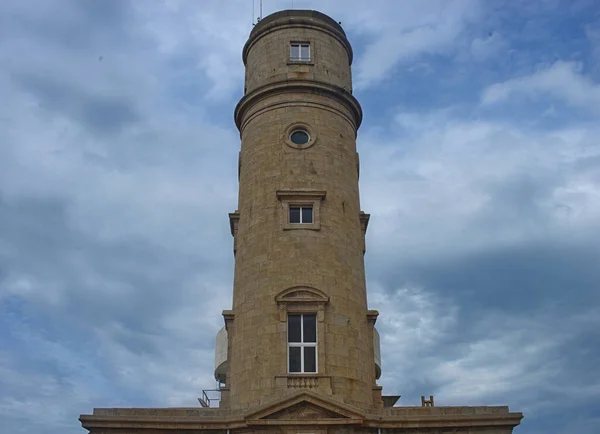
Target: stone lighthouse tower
point(299, 317)
point(299, 353)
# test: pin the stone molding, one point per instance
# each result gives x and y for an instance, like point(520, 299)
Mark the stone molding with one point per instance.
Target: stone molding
point(364, 223)
point(287, 194)
point(234, 219)
point(285, 411)
point(372, 316)
point(296, 87)
point(321, 383)
point(301, 299)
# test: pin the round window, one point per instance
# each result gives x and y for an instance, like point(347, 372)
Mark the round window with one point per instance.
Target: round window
point(299, 137)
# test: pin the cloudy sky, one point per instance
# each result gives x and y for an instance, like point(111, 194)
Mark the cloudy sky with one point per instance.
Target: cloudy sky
point(480, 168)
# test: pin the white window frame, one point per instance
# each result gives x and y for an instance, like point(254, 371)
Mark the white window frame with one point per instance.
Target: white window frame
point(303, 344)
point(299, 46)
point(302, 206)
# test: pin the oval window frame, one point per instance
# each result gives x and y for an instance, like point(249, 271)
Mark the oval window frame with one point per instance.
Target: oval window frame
point(299, 126)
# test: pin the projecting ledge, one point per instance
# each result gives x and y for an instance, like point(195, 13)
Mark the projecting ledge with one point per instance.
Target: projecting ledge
point(446, 417)
point(286, 194)
point(234, 218)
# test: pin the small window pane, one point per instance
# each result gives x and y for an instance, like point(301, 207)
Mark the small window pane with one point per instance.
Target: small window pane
point(305, 52)
point(294, 215)
point(295, 359)
point(294, 51)
point(310, 328)
point(310, 359)
point(307, 215)
point(294, 328)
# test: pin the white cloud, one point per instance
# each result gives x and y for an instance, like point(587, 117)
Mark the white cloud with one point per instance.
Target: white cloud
point(450, 181)
point(401, 32)
point(208, 38)
point(562, 80)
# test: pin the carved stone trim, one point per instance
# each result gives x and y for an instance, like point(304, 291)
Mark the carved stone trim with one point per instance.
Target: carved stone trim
point(287, 194)
point(339, 410)
point(297, 294)
point(301, 299)
point(299, 87)
point(228, 316)
point(364, 223)
point(302, 382)
point(234, 219)
point(372, 317)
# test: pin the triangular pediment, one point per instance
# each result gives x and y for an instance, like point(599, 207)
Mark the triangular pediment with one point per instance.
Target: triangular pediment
point(304, 411)
point(302, 294)
point(305, 408)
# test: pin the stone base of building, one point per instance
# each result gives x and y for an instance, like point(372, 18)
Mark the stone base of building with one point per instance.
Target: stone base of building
point(303, 412)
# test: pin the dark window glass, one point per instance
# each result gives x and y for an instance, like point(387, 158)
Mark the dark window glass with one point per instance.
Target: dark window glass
point(295, 359)
point(294, 214)
point(307, 216)
point(294, 328)
point(299, 137)
point(310, 359)
point(310, 328)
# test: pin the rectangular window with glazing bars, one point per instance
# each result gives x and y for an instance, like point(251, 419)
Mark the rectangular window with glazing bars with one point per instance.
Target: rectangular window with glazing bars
point(301, 214)
point(302, 343)
point(300, 52)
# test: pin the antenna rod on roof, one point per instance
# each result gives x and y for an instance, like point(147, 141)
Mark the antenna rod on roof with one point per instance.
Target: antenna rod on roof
point(261, 9)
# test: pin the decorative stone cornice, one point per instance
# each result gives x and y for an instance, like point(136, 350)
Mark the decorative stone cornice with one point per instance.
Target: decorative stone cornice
point(294, 194)
point(234, 218)
point(296, 87)
point(364, 221)
point(188, 419)
point(302, 294)
point(372, 316)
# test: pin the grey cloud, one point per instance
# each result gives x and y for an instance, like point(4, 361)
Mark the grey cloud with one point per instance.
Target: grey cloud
point(516, 326)
point(104, 303)
point(65, 272)
point(81, 25)
point(518, 278)
point(115, 256)
point(100, 114)
point(512, 281)
point(111, 302)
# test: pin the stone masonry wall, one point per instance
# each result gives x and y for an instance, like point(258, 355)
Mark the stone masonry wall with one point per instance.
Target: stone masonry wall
point(269, 258)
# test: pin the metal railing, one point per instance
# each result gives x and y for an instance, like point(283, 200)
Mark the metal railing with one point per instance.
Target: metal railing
point(210, 398)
